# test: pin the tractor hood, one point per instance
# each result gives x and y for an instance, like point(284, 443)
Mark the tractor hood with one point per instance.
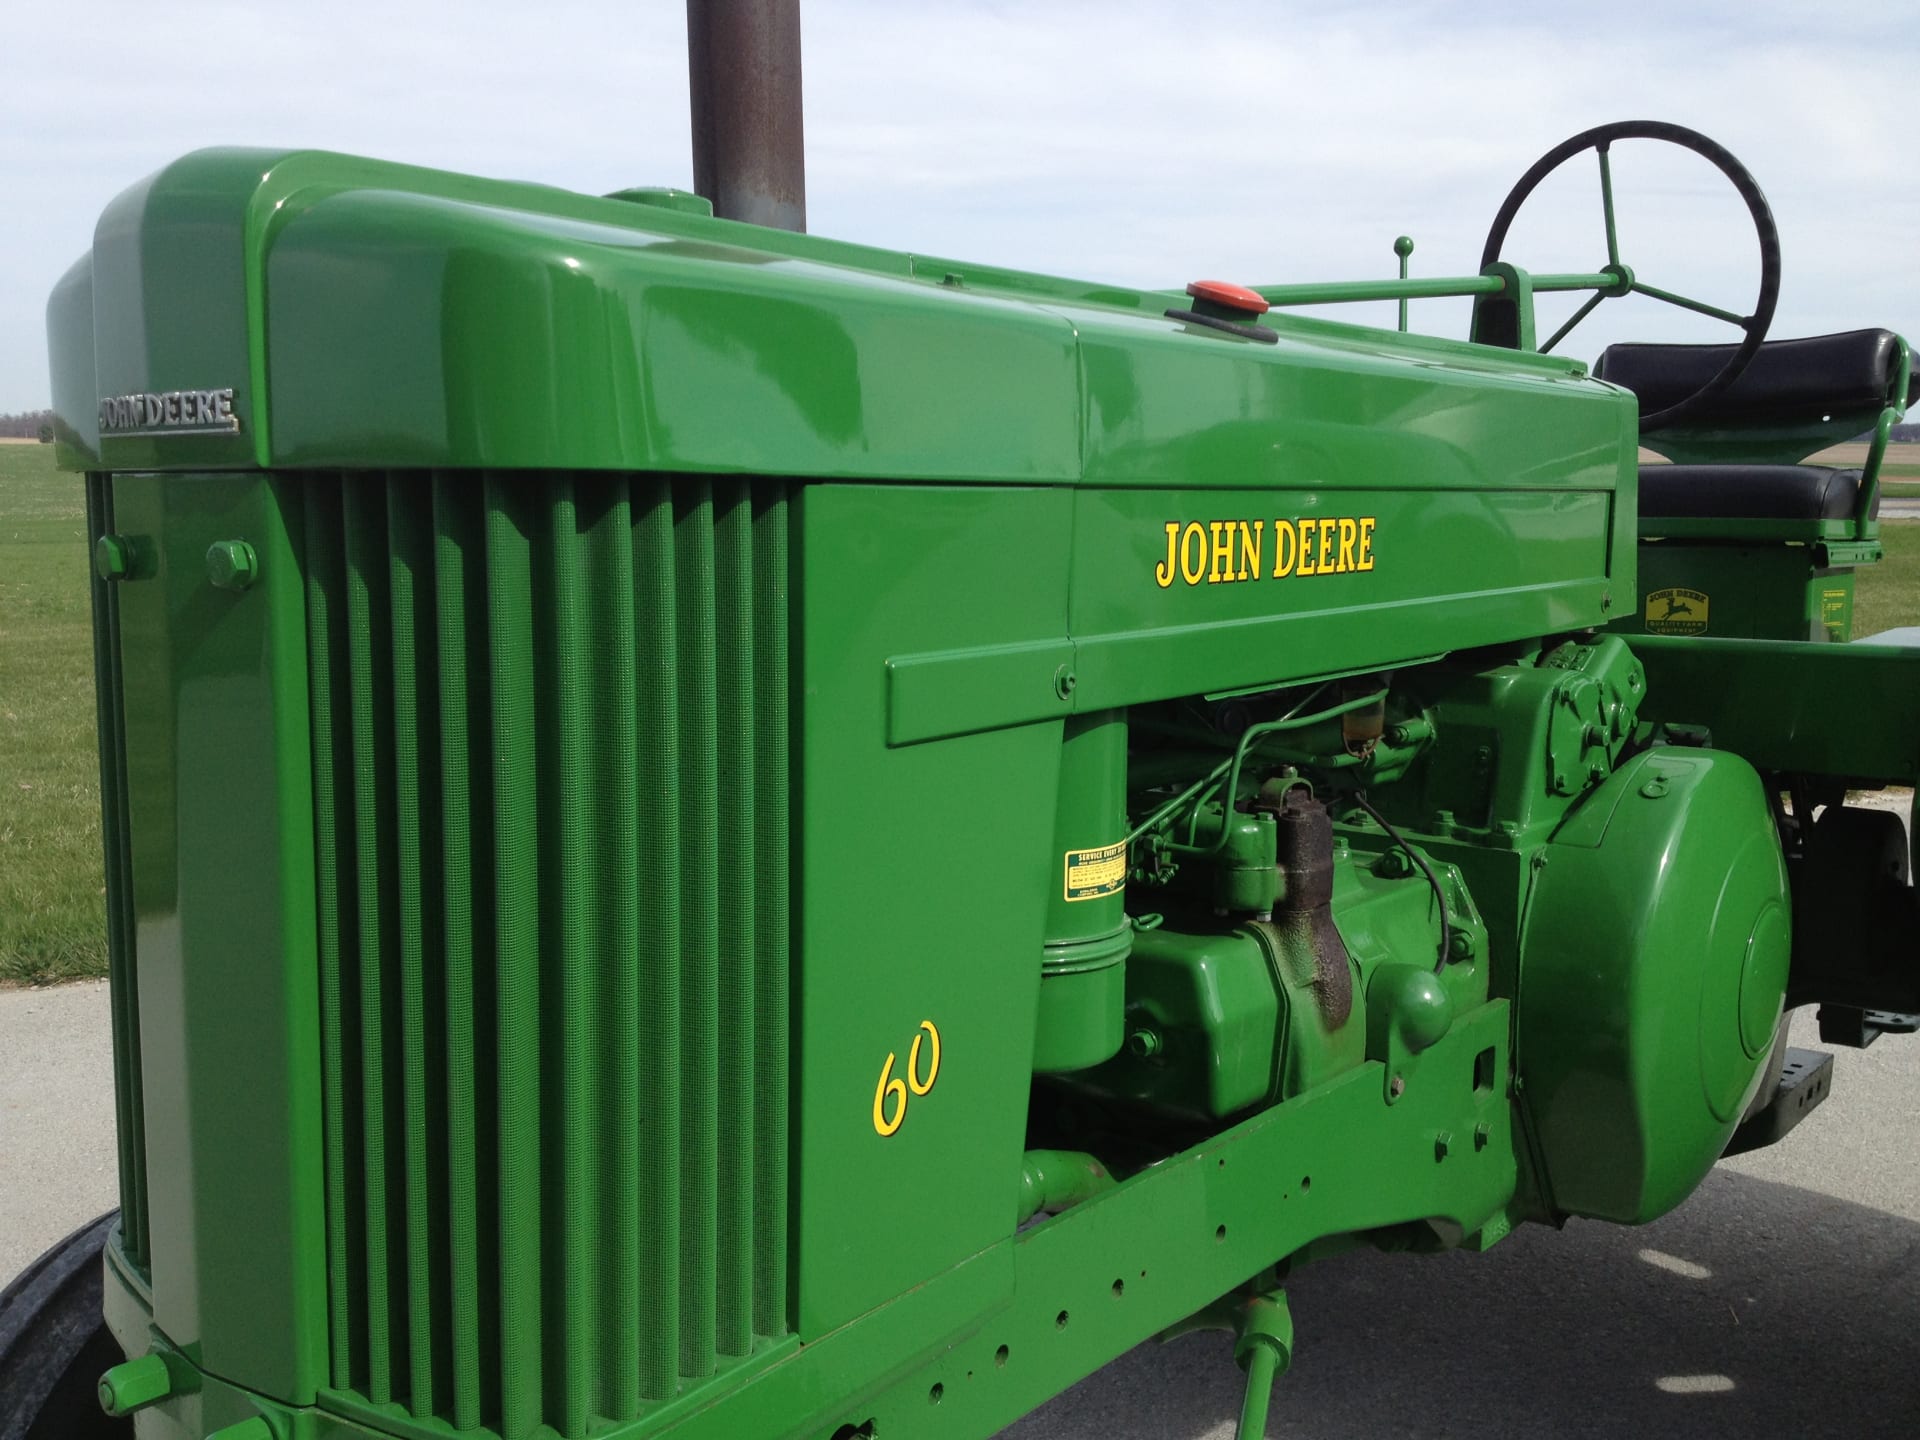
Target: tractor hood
point(253, 308)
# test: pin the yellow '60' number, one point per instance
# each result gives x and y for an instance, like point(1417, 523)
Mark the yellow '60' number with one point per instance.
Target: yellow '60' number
point(890, 1095)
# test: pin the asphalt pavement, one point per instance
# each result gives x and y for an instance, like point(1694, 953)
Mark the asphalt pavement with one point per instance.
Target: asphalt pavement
point(57, 1157)
point(1783, 1299)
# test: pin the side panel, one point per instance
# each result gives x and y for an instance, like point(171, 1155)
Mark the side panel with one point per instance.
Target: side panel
point(217, 773)
point(1841, 710)
point(922, 885)
point(1748, 592)
point(1180, 592)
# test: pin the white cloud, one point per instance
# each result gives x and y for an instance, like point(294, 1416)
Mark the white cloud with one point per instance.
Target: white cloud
point(1132, 142)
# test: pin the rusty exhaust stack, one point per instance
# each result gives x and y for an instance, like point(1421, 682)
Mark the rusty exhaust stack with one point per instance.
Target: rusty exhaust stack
point(749, 150)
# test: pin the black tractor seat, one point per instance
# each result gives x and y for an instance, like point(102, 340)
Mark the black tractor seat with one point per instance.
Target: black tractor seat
point(1797, 396)
point(1788, 379)
point(1749, 492)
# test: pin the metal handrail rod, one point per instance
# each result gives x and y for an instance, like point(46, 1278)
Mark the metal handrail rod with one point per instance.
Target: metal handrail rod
point(1895, 409)
point(1342, 292)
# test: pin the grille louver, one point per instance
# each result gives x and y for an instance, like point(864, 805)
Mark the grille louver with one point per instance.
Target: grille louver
point(551, 774)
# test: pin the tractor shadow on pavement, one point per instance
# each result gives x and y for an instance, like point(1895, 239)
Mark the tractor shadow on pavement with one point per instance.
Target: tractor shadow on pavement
point(1757, 1308)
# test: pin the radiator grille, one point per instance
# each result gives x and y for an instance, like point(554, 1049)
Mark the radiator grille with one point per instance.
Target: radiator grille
point(550, 785)
point(116, 838)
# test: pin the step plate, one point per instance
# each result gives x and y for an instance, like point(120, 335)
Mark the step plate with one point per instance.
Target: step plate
point(1805, 1080)
point(1849, 1025)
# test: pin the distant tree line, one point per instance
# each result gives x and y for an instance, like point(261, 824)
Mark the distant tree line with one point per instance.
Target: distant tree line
point(28, 424)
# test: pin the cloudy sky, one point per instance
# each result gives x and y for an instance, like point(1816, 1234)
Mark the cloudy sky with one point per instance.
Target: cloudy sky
point(1149, 143)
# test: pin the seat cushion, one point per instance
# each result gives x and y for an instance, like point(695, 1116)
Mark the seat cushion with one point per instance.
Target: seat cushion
point(1788, 379)
point(1749, 492)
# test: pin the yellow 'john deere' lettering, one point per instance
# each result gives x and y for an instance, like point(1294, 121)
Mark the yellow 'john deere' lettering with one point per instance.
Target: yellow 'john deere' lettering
point(1225, 552)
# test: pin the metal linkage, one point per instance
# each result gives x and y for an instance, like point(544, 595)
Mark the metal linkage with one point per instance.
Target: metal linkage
point(1265, 1351)
point(1231, 768)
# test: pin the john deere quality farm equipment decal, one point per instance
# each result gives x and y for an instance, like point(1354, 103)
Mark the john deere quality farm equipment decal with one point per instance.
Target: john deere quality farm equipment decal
point(774, 900)
point(1677, 611)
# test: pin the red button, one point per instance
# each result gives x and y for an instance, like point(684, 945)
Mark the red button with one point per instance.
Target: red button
point(1234, 297)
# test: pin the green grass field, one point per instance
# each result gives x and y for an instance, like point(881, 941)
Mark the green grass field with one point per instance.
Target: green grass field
point(52, 910)
point(52, 906)
point(1888, 594)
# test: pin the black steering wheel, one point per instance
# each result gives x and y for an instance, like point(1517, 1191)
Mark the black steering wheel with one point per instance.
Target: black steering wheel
point(1600, 139)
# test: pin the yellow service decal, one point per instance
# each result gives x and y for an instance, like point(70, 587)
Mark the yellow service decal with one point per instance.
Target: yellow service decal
point(1834, 613)
point(1093, 873)
point(1220, 552)
point(890, 1095)
point(1677, 611)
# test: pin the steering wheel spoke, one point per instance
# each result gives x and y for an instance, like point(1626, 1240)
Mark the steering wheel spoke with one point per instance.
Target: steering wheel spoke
point(1606, 202)
point(1585, 310)
point(1699, 307)
point(1601, 140)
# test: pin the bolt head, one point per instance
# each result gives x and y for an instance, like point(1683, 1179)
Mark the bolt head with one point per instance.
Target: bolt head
point(231, 564)
point(1144, 1044)
point(113, 557)
point(134, 1384)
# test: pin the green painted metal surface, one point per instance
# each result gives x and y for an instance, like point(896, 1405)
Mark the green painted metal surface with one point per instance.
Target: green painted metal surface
point(1792, 708)
point(651, 764)
point(1224, 1019)
point(212, 690)
point(1747, 592)
point(420, 318)
point(1131, 1263)
point(1127, 1265)
point(1642, 1044)
point(924, 879)
point(518, 696)
point(1088, 935)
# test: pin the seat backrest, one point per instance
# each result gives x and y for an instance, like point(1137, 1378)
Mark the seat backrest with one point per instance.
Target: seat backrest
point(1796, 397)
point(1803, 379)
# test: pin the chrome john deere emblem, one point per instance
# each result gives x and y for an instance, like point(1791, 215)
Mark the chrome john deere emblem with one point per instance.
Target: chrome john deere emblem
point(172, 412)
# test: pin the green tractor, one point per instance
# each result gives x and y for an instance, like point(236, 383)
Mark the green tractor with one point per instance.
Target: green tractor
point(714, 833)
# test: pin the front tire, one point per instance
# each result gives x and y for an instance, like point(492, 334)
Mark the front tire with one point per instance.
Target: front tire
point(54, 1345)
